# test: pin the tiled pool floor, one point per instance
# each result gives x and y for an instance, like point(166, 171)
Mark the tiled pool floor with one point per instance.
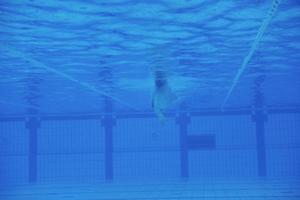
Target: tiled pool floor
point(171, 190)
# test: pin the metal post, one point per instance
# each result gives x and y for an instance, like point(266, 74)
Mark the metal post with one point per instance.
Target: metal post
point(32, 125)
point(183, 120)
point(259, 119)
point(108, 122)
point(32, 122)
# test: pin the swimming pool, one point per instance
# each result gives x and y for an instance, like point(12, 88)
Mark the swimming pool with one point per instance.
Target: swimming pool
point(127, 99)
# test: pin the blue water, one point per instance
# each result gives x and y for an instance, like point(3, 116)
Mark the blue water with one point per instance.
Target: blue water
point(82, 106)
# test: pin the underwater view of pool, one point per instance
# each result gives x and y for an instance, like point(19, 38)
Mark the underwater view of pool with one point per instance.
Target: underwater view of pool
point(149, 99)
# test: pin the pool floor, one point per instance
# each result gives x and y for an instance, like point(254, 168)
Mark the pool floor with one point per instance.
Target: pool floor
point(254, 189)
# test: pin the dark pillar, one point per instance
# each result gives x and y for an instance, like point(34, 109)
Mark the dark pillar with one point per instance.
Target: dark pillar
point(32, 125)
point(183, 120)
point(108, 122)
point(259, 117)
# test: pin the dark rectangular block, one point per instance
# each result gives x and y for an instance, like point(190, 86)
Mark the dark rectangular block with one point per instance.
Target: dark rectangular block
point(201, 142)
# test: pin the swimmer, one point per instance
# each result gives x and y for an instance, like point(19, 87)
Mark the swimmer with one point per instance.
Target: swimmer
point(162, 95)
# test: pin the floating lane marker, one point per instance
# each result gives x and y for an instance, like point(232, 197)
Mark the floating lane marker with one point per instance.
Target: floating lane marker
point(85, 85)
point(252, 50)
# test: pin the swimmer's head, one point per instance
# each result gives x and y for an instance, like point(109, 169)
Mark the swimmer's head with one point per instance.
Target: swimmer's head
point(160, 79)
point(160, 83)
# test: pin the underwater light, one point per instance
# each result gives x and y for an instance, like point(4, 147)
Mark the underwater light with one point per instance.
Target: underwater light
point(68, 77)
point(252, 50)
